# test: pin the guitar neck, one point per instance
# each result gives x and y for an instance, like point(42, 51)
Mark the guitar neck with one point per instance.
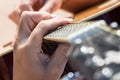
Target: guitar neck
point(74, 32)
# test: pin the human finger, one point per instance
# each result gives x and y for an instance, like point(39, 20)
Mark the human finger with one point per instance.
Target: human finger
point(16, 13)
point(58, 60)
point(22, 5)
point(44, 27)
point(28, 22)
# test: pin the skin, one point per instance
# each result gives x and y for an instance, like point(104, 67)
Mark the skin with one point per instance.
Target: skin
point(28, 61)
point(32, 5)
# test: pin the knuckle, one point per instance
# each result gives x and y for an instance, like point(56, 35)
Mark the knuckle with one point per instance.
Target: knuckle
point(15, 45)
point(45, 15)
point(44, 25)
point(25, 14)
point(22, 49)
point(43, 12)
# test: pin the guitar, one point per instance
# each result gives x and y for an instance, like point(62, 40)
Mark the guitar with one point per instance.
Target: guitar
point(82, 16)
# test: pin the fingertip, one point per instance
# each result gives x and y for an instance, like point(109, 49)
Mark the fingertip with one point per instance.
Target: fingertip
point(14, 16)
point(67, 20)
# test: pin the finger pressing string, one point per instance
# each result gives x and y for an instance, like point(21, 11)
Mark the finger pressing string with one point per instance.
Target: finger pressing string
point(43, 27)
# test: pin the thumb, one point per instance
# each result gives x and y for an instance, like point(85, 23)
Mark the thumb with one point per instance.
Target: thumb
point(59, 60)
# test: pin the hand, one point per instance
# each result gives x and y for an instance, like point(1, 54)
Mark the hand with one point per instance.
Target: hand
point(31, 5)
point(29, 62)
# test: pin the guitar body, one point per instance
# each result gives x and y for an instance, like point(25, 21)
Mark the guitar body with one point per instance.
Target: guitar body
point(78, 5)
